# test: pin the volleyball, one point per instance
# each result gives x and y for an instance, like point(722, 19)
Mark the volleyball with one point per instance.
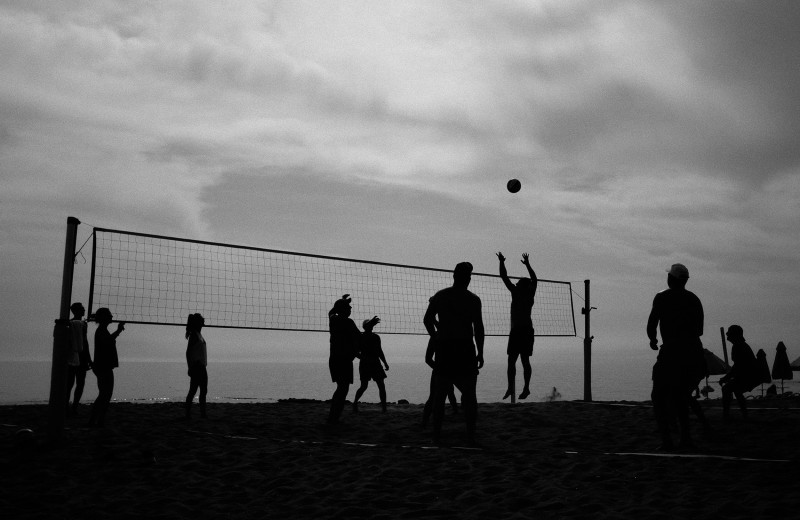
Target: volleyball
point(514, 185)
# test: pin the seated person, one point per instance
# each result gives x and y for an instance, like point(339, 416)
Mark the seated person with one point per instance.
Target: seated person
point(743, 376)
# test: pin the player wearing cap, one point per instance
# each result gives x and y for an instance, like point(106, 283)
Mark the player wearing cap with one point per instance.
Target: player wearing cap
point(454, 318)
point(345, 338)
point(678, 315)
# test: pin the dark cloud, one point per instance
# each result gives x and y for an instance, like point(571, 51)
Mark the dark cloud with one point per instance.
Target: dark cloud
point(752, 51)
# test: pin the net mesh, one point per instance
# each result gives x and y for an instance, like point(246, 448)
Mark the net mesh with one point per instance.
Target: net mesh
point(160, 280)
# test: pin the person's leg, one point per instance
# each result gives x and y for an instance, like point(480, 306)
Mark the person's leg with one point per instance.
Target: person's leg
point(661, 412)
point(96, 403)
point(469, 400)
point(70, 381)
point(80, 383)
point(203, 392)
point(441, 384)
point(697, 409)
point(382, 392)
point(428, 409)
point(105, 387)
point(338, 401)
point(359, 393)
point(451, 396)
point(194, 384)
point(527, 371)
point(680, 404)
point(727, 394)
point(511, 373)
point(740, 399)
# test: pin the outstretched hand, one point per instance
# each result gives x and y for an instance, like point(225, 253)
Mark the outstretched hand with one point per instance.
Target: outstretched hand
point(525, 259)
point(501, 257)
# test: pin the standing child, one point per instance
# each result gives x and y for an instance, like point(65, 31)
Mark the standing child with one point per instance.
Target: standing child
point(105, 361)
point(370, 365)
point(80, 360)
point(197, 360)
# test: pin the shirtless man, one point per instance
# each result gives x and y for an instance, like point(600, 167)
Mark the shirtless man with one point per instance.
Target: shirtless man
point(453, 318)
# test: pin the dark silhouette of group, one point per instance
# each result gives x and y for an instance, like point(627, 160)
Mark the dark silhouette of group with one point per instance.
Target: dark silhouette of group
point(677, 314)
point(106, 359)
point(454, 323)
point(346, 344)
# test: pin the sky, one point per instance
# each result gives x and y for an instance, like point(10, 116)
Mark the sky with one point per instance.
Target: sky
point(644, 134)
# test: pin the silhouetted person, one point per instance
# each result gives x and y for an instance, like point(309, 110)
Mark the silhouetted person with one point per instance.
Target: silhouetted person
point(453, 318)
point(678, 315)
point(522, 335)
point(105, 361)
point(80, 360)
point(743, 376)
point(430, 354)
point(345, 343)
point(197, 361)
point(370, 365)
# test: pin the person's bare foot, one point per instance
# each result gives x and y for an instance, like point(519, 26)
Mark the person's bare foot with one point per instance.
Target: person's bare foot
point(508, 394)
point(525, 393)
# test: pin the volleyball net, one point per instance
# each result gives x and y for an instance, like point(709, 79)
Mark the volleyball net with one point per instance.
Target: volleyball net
point(151, 279)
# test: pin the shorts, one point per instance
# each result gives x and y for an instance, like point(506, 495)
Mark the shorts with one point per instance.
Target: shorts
point(198, 371)
point(367, 371)
point(520, 342)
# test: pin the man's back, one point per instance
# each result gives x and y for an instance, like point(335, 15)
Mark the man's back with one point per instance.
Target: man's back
point(679, 315)
point(458, 310)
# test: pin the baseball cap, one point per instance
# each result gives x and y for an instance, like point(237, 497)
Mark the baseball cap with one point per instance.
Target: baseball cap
point(679, 271)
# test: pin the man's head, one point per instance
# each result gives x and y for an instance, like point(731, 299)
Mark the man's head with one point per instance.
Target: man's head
point(524, 283)
point(195, 321)
point(342, 306)
point(462, 274)
point(77, 310)
point(677, 276)
point(369, 324)
point(103, 316)
point(735, 334)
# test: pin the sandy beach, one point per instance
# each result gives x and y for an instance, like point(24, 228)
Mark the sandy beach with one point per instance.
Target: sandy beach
point(279, 460)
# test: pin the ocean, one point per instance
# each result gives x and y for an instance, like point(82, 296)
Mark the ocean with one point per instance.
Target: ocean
point(616, 376)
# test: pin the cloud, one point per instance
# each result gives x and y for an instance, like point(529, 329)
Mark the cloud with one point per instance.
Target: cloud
point(642, 131)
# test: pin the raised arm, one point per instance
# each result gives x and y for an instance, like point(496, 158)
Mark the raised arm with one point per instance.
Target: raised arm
point(534, 280)
point(503, 272)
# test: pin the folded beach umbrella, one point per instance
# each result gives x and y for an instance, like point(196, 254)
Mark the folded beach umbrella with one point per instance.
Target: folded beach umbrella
point(763, 369)
point(781, 369)
point(714, 365)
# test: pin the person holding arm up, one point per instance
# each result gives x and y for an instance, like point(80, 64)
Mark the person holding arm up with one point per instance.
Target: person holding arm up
point(105, 361)
point(522, 334)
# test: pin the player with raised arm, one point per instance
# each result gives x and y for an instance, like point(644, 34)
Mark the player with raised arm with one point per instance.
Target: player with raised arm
point(521, 335)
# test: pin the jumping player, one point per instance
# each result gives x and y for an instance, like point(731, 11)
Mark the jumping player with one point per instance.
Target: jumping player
point(522, 335)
